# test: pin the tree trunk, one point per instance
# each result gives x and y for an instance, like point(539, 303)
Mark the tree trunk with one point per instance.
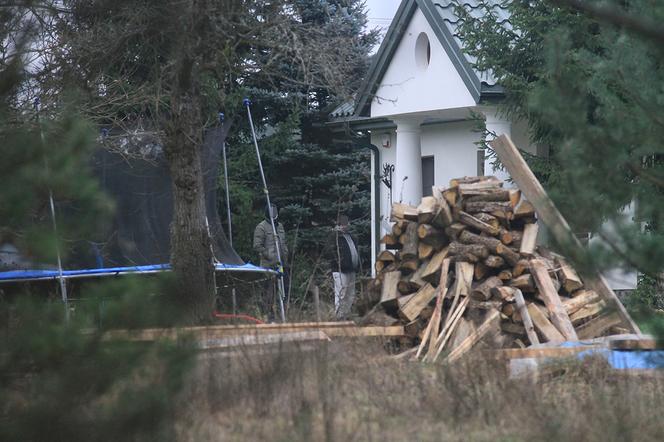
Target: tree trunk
point(191, 245)
point(191, 253)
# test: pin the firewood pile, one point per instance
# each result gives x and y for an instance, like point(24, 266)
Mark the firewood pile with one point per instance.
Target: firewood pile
point(463, 267)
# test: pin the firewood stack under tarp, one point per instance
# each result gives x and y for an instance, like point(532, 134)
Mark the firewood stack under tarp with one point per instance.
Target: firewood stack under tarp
point(463, 267)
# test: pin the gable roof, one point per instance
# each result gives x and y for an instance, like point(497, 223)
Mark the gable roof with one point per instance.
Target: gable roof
point(445, 23)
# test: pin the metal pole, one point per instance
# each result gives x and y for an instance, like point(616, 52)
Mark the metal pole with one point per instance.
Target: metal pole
point(282, 291)
point(228, 206)
point(61, 280)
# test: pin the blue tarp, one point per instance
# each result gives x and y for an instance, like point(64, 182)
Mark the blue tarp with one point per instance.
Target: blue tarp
point(32, 275)
point(623, 359)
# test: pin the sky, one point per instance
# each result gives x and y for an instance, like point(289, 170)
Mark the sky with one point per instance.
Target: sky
point(381, 12)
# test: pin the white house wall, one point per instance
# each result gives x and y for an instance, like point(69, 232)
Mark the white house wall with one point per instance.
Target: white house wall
point(407, 87)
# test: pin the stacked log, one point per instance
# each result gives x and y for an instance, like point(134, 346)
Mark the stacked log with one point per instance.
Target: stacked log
point(464, 267)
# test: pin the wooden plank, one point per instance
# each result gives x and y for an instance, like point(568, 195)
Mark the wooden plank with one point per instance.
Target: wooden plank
point(527, 321)
point(636, 344)
point(543, 326)
point(414, 306)
point(492, 319)
point(431, 272)
point(389, 292)
point(543, 352)
point(551, 217)
point(434, 323)
point(549, 295)
point(344, 329)
point(529, 239)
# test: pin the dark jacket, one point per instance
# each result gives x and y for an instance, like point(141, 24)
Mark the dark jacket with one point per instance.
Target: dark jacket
point(264, 244)
point(343, 253)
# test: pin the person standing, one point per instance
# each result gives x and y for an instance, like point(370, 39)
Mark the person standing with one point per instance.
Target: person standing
point(266, 246)
point(346, 263)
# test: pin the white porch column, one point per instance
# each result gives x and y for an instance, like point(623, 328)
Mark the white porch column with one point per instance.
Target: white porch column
point(499, 126)
point(407, 182)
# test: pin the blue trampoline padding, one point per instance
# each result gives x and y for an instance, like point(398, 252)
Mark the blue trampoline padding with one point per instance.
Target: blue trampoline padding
point(26, 275)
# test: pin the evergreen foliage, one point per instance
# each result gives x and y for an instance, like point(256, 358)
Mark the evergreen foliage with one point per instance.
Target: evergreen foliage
point(61, 376)
point(590, 92)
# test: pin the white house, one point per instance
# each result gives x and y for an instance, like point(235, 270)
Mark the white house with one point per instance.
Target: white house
point(420, 103)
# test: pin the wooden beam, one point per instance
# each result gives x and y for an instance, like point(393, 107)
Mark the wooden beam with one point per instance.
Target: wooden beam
point(548, 213)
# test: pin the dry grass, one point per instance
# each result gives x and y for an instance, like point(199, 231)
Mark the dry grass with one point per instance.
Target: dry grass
point(346, 391)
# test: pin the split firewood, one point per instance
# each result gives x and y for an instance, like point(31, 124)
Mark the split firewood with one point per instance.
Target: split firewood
point(508, 310)
point(515, 197)
point(524, 210)
point(431, 235)
point(403, 212)
point(475, 305)
point(504, 293)
point(386, 255)
point(391, 241)
point(520, 268)
point(413, 328)
point(529, 240)
point(484, 195)
point(483, 290)
point(525, 316)
point(517, 237)
point(476, 224)
point(443, 216)
point(416, 278)
point(495, 262)
point(479, 250)
point(414, 306)
point(405, 287)
point(494, 246)
point(587, 311)
point(410, 242)
point(543, 325)
point(488, 207)
point(424, 251)
point(427, 210)
point(450, 195)
point(464, 279)
point(570, 279)
point(488, 219)
point(525, 283)
point(389, 292)
point(454, 230)
point(431, 273)
point(409, 265)
point(399, 227)
point(584, 298)
point(505, 275)
point(480, 271)
point(506, 236)
point(599, 326)
point(559, 316)
point(488, 179)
